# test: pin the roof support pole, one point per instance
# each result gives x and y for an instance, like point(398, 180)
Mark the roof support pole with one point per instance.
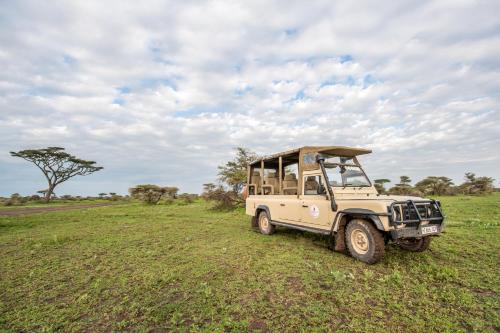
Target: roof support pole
point(280, 165)
point(261, 176)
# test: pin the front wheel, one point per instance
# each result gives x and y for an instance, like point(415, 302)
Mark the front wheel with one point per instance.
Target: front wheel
point(364, 241)
point(414, 244)
point(265, 225)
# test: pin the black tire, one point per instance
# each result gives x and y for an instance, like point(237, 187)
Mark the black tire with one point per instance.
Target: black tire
point(265, 225)
point(364, 241)
point(415, 244)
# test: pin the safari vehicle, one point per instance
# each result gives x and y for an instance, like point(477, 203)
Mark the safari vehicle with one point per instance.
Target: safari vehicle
point(325, 190)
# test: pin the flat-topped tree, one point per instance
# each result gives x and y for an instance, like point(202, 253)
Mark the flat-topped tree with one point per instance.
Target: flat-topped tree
point(57, 165)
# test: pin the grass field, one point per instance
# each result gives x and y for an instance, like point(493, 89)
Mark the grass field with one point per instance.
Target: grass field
point(187, 268)
point(58, 203)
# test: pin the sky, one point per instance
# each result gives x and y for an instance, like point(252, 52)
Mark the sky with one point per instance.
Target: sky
point(161, 92)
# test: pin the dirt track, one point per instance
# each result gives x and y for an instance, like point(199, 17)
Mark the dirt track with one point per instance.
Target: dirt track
point(36, 210)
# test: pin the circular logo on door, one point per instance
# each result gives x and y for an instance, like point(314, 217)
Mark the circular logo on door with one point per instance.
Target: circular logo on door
point(314, 211)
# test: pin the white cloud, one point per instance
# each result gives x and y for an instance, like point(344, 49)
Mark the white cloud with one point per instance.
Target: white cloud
point(160, 92)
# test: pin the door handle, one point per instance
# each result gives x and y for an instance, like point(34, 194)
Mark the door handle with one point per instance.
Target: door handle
point(305, 206)
point(282, 204)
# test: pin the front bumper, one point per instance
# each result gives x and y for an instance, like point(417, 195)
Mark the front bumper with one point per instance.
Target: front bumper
point(412, 232)
point(409, 218)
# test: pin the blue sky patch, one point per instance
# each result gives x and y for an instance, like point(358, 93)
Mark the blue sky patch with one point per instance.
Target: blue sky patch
point(67, 59)
point(124, 90)
point(345, 58)
point(119, 101)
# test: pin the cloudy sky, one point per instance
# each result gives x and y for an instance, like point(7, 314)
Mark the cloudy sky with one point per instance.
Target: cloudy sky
point(161, 92)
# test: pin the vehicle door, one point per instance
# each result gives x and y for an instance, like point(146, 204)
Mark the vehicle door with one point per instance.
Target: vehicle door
point(289, 209)
point(315, 206)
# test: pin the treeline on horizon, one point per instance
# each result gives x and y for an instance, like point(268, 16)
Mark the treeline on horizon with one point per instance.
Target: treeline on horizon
point(433, 185)
point(227, 193)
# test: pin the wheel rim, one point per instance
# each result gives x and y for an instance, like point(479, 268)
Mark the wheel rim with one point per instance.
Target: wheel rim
point(264, 222)
point(359, 241)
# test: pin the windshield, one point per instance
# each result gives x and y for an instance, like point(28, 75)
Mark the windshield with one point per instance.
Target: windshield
point(346, 175)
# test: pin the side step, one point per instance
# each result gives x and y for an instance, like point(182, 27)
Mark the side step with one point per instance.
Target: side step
point(302, 228)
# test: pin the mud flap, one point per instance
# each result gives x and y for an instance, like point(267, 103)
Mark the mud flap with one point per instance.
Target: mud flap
point(340, 240)
point(254, 222)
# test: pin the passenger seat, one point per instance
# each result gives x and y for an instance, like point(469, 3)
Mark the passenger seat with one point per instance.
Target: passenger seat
point(311, 185)
point(255, 183)
point(271, 183)
point(290, 184)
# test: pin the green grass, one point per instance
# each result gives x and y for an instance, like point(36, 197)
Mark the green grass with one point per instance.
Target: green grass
point(187, 268)
point(57, 203)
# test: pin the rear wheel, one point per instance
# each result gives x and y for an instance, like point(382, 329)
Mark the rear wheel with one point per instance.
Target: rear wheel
point(265, 225)
point(415, 244)
point(364, 241)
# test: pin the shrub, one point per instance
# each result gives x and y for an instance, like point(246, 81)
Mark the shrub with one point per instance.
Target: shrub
point(35, 198)
point(188, 197)
point(224, 200)
point(114, 196)
point(16, 200)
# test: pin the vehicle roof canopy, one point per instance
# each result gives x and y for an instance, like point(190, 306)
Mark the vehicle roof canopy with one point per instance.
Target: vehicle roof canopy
point(292, 156)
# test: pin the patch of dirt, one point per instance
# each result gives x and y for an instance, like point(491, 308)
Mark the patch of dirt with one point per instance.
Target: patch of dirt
point(257, 325)
point(484, 292)
point(295, 283)
point(37, 210)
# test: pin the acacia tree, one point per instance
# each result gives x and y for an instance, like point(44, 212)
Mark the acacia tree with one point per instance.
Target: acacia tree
point(434, 185)
point(403, 188)
point(57, 165)
point(234, 173)
point(379, 184)
point(150, 194)
point(477, 185)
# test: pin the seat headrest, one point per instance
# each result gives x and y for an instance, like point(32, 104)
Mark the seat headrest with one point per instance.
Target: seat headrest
point(311, 179)
point(290, 176)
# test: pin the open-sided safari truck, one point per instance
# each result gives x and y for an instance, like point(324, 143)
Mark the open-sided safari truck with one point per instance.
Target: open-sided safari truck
point(325, 190)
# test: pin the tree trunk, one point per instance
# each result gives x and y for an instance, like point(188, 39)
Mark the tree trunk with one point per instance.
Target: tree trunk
point(49, 192)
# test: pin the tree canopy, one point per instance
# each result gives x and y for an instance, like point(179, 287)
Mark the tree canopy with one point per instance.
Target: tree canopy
point(434, 185)
point(148, 193)
point(57, 165)
point(379, 184)
point(234, 172)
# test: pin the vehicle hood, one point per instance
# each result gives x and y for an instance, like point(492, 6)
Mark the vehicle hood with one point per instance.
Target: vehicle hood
point(400, 197)
point(373, 196)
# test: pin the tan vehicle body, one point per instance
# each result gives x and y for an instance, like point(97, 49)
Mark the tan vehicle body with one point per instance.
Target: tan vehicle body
point(330, 209)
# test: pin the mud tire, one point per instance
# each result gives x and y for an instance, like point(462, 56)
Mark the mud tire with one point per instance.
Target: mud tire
point(415, 244)
point(364, 241)
point(265, 225)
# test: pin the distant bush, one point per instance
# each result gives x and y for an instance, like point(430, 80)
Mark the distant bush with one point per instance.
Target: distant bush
point(224, 200)
point(114, 197)
point(188, 198)
point(35, 198)
point(16, 200)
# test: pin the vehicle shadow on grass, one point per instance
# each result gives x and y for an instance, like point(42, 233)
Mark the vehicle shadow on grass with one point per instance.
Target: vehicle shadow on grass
point(325, 242)
point(322, 241)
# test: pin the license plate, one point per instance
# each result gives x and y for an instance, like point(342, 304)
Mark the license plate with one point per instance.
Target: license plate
point(429, 230)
